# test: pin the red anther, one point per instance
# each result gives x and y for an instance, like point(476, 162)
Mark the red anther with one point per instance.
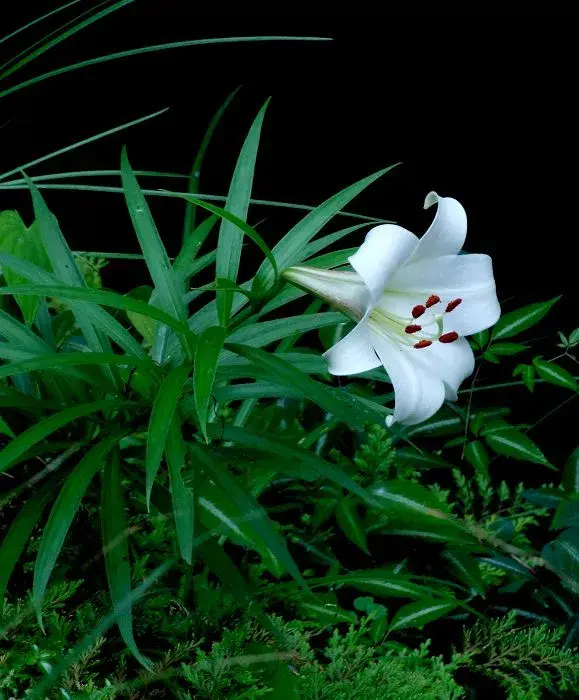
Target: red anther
point(452, 305)
point(422, 344)
point(449, 337)
point(432, 300)
point(412, 328)
point(418, 311)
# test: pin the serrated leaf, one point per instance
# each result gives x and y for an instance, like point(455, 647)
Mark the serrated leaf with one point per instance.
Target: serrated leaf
point(476, 455)
point(116, 551)
point(289, 249)
point(511, 442)
point(421, 612)
point(350, 523)
point(181, 495)
point(515, 322)
point(62, 515)
point(554, 374)
point(207, 354)
point(161, 418)
point(571, 472)
point(238, 198)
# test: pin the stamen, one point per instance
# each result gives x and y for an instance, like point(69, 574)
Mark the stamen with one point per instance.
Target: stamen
point(412, 328)
point(418, 311)
point(448, 337)
point(422, 344)
point(452, 305)
point(432, 300)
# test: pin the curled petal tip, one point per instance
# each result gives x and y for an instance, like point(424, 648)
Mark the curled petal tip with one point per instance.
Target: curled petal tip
point(430, 199)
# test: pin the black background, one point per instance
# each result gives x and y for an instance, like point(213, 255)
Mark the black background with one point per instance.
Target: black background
point(476, 100)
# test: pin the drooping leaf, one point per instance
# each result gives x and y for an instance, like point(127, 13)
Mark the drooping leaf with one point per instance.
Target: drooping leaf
point(515, 322)
point(62, 515)
point(476, 455)
point(350, 522)
point(207, 354)
point(116, 551)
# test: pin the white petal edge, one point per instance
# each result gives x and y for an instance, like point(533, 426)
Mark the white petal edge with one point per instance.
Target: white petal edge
point(450, 362)
point(354, 353)
point(386, 248)
point(447, 233)
point(417, 394)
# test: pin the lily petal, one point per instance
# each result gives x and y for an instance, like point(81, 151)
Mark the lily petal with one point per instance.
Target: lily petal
point(466, 277)
point(451, 362)
point(354, 353)
point(446, 233)
point(418, 393)
point(385, 249)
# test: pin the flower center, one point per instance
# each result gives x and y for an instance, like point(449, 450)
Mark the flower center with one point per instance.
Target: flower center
point(421, 327)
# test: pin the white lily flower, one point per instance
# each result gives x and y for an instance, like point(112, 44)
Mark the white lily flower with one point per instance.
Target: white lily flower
point(414, 300)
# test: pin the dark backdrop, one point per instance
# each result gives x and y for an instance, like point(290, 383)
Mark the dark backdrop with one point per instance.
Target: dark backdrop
point(475, 99)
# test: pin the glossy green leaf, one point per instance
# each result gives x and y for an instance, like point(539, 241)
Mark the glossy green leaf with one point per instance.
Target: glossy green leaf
point(162, 414)
point(266, 332)
point(341, 405)
point(527, 373)
point(511, 442)
point(36, 433)
point(116, 551)
point(18, 534)
point(421, 612)
point(571, 472)
point(477, 456)
point(291, 246)
point(466, 569)
point(563, 556)
point(325, 613)
point(566, 515)
point(552, 373)
point(406, 498)
point(62, 515)
point(181, 495)
point(257, 519)
point(350, 522)
point(378, 582)
point(238, 198)
point(207, 354)
point(507, 348)
point(419, 459)
point(515, 322)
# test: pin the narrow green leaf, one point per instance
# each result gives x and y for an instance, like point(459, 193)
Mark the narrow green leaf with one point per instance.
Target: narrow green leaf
point(350, 522)
point(292, 244)
point(207, 354)
point(571, 472)
point(511, 442)
point(341, 405)
point(554, 374)
point(325, 613)
point(116, 552)
point(421, 612)
point(182, 496)
point(257, 518)
point(266, 332)
point(230, 237)
point(36, 20)
point(412, 457)
point(18, 534)
point(195, 175)
point(156, 257)
point(476, 455)
point(318, 245)
point(406, 498)
point(507, 348)
point(383, 583)
point(160, 422)
point(515, 322)
point(62, 515)
point(185, 265)
point(46, 427)
point(466, 569)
